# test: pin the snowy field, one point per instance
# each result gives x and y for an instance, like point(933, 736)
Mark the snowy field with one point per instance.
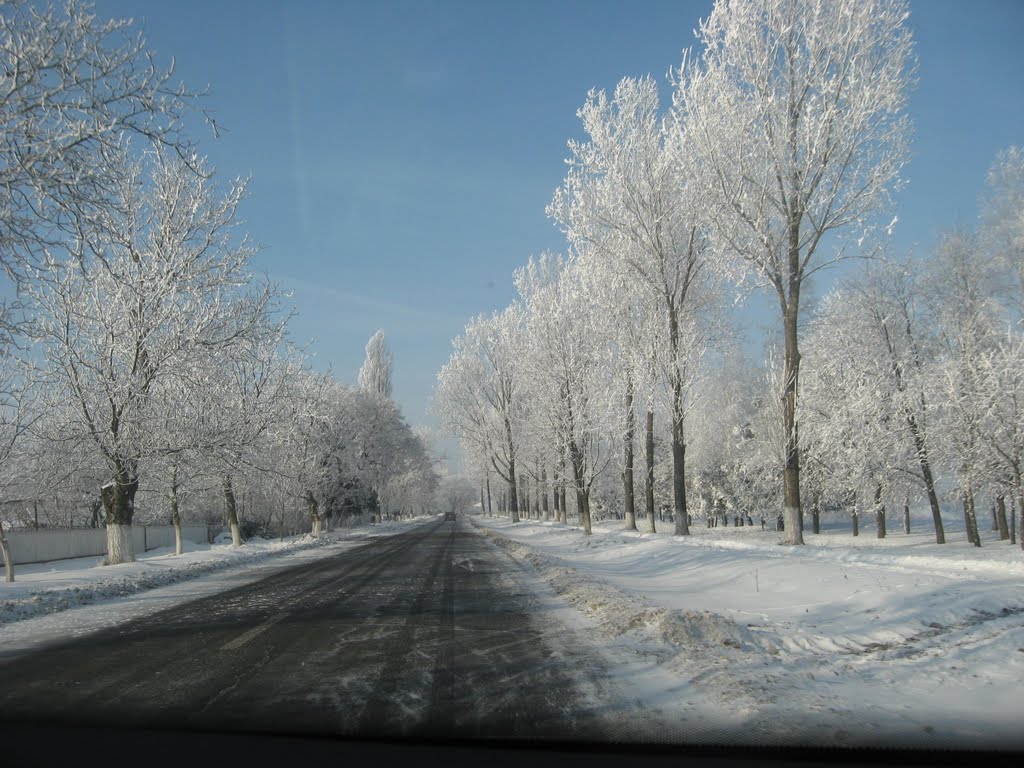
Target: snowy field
point(855, 642)
point(70, 598)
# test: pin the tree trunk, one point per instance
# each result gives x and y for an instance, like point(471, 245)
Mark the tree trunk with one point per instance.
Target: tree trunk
point(879, 513)
point(1004, 529)
point(232, 511)
point(8, 563)
point(554, 493)
point(929, 481)
point(562, 492)
point(816, 513)
point(906, 516)
point(971, 518)
point(1020, 510)
point(649, 461)
point(580, 508)
point(682, 526)
point(855, 522)
point(544, 493)
point(175, 517)
point(582, 500)
point(513, 498)
point(791, 472)
point(118, 497)
point(490, 512)
point(314, 513)
point(1013, 520)
point(513, 492)
point(627, 473)
point(679, 511)
point(536, 492)
point(995, 521)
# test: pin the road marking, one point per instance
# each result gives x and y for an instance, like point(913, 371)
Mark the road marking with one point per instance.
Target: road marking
point(245, 637)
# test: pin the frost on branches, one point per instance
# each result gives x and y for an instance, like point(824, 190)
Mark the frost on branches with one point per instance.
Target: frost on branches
point(796, 118)
point(153, 275)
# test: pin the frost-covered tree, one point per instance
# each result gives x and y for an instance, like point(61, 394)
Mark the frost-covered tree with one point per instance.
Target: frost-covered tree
point(71, 86)
point(247, 394)
point(961, 290)
point(720, 438)
point(309, 442)
point(18, 412)
point(1000, 395)
point(854, 416)
point(477, 398)
point(563, 371)
point(627, 199)
point(872, 359)
point(375, 375)
point(795, 118)
point(1002, 224)
point(154, 273)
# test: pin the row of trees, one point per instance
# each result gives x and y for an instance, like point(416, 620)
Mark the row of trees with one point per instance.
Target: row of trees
point(785, 139)
point(140, 354)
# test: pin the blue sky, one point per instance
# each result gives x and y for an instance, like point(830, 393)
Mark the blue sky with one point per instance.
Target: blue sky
point(402, 153)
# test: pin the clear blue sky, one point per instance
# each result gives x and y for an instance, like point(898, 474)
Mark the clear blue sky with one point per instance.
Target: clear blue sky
point(402, 153)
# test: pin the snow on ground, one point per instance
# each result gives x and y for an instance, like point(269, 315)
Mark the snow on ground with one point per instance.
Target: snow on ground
point(64, 599)
point(858, 642)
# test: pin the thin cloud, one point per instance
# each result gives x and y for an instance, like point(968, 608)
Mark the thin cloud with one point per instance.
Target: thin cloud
point(388, 310)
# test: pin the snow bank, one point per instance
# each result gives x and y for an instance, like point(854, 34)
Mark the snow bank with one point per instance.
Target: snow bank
point(46, 588)
point(846, 641)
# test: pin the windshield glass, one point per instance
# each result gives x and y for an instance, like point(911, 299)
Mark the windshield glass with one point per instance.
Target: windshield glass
point(565, 372)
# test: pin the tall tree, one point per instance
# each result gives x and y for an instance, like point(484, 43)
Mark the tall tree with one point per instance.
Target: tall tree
point(626, 200)
point(869, 341)
point(155, 273)
point(375, 375)
point(17, 414)
point(962, 286)
point(478, 398)
point(562, 368)
point(1002, 224)
point(796, 119)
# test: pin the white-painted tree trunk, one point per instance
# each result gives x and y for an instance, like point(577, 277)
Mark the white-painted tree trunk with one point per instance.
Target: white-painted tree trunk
point(232, 511)
point(175, 517)
point(8, 564)
point(119, 544)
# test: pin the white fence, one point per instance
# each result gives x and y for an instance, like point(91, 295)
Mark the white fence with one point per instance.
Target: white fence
point(43, 546)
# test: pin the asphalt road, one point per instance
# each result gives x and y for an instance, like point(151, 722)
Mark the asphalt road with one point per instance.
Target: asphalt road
point(430, 633)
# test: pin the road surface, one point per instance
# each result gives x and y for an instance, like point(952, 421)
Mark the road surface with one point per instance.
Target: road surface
point(432, 633)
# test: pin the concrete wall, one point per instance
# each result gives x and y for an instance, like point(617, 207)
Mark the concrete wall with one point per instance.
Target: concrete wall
point(163, 535)
point(43, 546)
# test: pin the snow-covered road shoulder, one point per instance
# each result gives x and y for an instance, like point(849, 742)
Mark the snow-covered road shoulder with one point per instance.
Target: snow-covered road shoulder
point(70, 598)
point(895, 642)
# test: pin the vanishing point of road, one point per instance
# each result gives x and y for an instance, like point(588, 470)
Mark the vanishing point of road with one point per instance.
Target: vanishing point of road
point(430, 633)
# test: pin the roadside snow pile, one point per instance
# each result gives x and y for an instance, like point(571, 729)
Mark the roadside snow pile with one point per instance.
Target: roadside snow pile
point(703, 629)
point(619, 612)
point(916, 643)
point(46, 588)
